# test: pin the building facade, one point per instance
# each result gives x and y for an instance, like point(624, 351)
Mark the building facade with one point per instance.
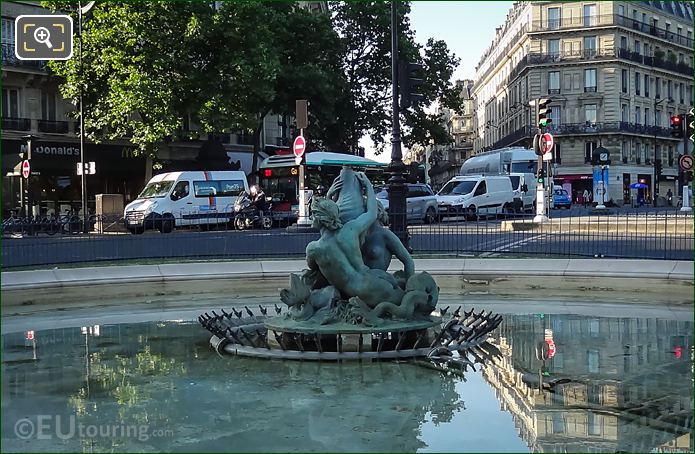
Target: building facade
point(615, 73)
point(443, 161)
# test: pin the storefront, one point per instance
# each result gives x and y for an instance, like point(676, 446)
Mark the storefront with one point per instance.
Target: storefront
point(575, 185)
point(54, 184)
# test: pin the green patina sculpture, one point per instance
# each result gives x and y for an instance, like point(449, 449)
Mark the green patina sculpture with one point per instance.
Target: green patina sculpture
point(347, 279)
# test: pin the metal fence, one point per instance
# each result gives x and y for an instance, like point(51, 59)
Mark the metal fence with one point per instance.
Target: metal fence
point(617, 233)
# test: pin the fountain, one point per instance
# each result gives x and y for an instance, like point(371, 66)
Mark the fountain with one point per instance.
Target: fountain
point(346, 305)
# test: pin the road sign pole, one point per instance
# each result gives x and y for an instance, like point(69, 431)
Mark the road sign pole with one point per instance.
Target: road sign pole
point(602, 189)
point(303, 218)
point(686, 188)
point(540, 196)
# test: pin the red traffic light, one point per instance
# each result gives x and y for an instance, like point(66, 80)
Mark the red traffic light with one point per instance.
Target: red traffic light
point(675, 119)
point(267, 173)
point(678, 352)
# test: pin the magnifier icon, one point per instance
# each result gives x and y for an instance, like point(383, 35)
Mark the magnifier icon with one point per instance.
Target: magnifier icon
point(42, 35)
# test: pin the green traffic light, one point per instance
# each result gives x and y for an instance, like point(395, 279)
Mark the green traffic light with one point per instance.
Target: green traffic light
point(541, 180)
point(544, 122)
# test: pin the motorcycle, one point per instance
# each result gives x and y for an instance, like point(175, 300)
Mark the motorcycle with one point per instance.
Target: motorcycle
point(247, 216)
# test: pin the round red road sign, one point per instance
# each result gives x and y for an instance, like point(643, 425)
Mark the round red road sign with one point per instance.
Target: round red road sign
point(299, 146)
point(26, 169)
point(547, 142)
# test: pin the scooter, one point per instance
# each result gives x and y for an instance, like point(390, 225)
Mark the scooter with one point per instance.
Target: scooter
point(248, 217)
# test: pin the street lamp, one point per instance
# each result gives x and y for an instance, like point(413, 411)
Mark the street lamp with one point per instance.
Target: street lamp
point(81, 11)
point(397, 189)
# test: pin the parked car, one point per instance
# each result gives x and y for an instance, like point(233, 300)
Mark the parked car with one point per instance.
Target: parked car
point(476, 195)
point(561, 199)
point(421, 203)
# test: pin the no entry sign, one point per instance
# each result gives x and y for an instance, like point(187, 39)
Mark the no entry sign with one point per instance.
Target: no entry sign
point(26, 169)
point(299, 146)
point(547, 143)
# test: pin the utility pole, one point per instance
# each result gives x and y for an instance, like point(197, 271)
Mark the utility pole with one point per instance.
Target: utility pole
point(397, 189)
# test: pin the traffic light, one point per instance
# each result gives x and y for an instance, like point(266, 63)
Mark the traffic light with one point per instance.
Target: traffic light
point(408, 82)
point(657, 168)
point(677, 126)
point(540, 175)
point(688, 176)
point(690, 125)
point(543, 115)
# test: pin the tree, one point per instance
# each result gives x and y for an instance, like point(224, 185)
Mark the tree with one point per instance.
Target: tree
point(146, 66)
point(365, 33)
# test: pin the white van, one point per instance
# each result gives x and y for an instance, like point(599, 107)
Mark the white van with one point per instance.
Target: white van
point(185, 198)
point(475, 196)
point(524, 187)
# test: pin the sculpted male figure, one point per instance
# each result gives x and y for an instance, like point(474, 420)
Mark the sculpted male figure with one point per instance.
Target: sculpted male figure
point(379, 243)
point(337, 253)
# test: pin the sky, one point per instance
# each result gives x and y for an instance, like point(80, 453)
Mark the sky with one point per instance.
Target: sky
point(467, 27)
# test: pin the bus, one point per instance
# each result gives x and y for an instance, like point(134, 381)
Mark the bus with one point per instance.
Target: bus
point(279, 177)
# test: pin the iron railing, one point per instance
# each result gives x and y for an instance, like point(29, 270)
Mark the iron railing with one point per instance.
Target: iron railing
point(16, 124)
point(10, 59)
point(55, 127)
point(579, 232)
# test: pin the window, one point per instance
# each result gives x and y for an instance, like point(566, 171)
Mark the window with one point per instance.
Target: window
point(638, 83)
point(657, 87)
point(647, 120)
point(554, 116)
point(180, 191)
point(10, 103)
point(593, 422)
point(481, 189)
point(592, 360)
point(589, 80)
point(554, 47)
point(553, 18)
point(554, 82)
point(657, 118)
point(638, 115)
point(621, 10)
point(646, 85)
point(48, 106)
point(643, 153)
point(222, 188)
point(623, 152)
point(638, 153)
point(589, 148)
point(590, 113)
point(590, 19)
point(670, 156)
point(681, 92)
point(589, 46)
point(638, 47)
point(623, 81)
point(624, 114)
point(669, 90)
point(623, 42)
point(8, 33)
point(556, 152)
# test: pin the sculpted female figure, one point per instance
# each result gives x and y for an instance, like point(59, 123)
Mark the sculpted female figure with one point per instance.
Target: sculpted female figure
point(337, 253)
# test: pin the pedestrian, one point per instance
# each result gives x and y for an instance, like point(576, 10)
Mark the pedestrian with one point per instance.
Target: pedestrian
point(585, 197)
point(669, 197)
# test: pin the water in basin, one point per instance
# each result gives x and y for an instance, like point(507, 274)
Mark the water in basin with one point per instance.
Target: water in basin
point(609, 384)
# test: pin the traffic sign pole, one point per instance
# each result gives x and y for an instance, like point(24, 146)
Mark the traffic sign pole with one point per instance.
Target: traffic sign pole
point(686, 164)
point(299, 148)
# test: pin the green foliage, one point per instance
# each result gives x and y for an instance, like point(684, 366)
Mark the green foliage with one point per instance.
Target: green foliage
point(365, 32)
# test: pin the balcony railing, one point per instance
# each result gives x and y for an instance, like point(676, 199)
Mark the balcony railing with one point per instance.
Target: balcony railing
point(657, 62)
point(614, 126)
point(54, 127)
point(10, 59)
point(510, 139)
point(610, 19)
point(662, 33)
point(504, 54)
point(16, 124)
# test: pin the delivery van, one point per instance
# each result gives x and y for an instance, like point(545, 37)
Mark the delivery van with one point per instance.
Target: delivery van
point(476, 195)
point(172, 199)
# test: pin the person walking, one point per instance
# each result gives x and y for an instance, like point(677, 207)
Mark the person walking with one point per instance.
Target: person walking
point(669, 197)
point(585, 197)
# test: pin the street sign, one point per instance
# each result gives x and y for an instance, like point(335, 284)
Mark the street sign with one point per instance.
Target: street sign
point(26, 169)
point(299, 146)
point(547, 143)
point(685, 162)
point(90, 168)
